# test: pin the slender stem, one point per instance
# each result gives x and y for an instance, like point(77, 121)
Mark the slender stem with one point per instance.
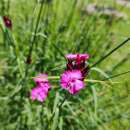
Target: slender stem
point(97, 81)
point(117, 75)
point(60, 105)
point(8, 6)
point(85, 80)
point(50, 77)
point(32, 41)
point(113, 50)
point(53, 114)
point(3, 7)
point(119, 63)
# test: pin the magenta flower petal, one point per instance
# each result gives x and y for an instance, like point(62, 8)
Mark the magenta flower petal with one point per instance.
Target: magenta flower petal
point(45, 85)
point(77, 69)
point(71, 56)
point(42, 96)
point(39, 94)
point(84, 56)
point(75, 56)
point(77, 62)
point(72, 81)
point(42, 88)
point(69, 76)
point(76, 87)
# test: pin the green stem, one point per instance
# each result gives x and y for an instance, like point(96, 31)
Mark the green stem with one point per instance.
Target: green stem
point(54, 77)
point(117, 75)
point(85, 80)
point(32, 41)
point(119, 64)
point(53, 114)
point(108, 54)
point(60, 105)
point(8, 6)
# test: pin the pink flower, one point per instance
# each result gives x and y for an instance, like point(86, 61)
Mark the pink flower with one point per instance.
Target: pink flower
point(40, 92)
point(72, 81)
point(73, 78)
point(77, 62)
point(77, 56)
point(7, 22)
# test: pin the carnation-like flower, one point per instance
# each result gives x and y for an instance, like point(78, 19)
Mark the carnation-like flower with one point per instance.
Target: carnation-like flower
point(7, 22)
point(40, 92)
point(77, 62)
point(72, 81)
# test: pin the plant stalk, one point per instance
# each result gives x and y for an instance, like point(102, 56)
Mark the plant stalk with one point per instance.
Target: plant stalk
point(108, 54)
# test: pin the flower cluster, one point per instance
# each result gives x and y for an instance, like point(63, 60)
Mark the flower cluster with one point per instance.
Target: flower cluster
point(72, 79)
point(42, 88)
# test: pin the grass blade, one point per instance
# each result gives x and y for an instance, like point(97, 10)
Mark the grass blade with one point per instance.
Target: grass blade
point(117, 75)
point(108, 54)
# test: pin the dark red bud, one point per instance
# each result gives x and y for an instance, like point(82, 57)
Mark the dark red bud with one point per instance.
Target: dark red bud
point(29, 60)
point(7, 22)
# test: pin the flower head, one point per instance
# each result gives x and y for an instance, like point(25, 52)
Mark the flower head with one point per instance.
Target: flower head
point(77, 62)
point(72, 81)
point(7, 22)
point(39, 93)
point(42, 88)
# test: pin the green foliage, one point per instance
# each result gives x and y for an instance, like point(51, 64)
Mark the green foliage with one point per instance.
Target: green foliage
point(63, 28)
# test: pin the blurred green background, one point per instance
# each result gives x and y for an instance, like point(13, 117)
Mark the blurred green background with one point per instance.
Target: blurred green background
point(65, 26)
